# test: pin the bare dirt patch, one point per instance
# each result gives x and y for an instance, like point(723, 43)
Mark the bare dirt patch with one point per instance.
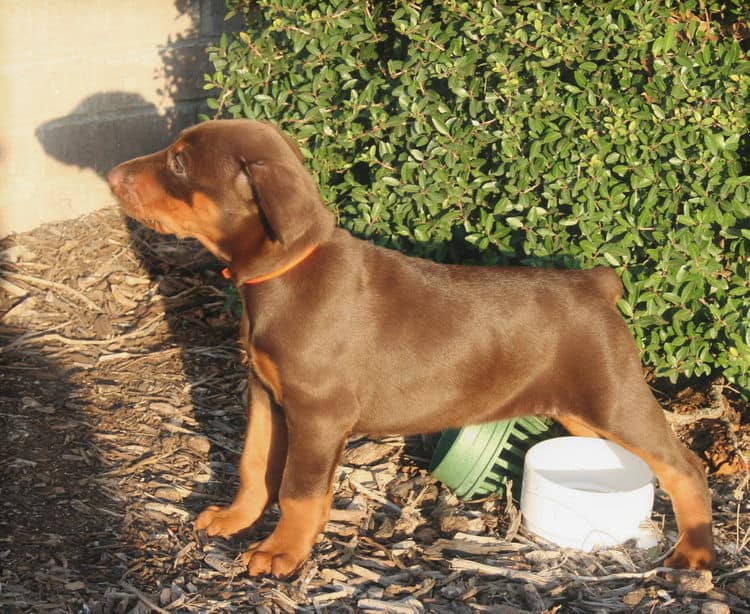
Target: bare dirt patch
point(121, 416)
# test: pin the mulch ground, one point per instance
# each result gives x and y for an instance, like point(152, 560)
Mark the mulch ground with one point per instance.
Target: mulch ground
point(121, 416)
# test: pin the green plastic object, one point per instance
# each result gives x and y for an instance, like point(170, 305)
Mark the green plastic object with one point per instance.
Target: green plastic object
point(475, 461)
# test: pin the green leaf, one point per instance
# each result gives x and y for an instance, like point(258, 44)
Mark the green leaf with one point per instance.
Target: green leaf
point(440, 126)
point(611, 259)
point(638, 182)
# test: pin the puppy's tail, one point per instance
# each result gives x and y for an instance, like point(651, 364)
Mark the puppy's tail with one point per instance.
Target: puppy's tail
point(607, 283)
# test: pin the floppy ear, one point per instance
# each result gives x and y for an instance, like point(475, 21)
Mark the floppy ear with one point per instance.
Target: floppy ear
point(289, 141)
point(285, 195)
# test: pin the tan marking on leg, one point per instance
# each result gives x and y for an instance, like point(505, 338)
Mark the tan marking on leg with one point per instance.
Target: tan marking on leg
point(575, 427)
point(261, 467)
point(692, 507)
point(686, 486)
point(282, 552)
point(267, 370)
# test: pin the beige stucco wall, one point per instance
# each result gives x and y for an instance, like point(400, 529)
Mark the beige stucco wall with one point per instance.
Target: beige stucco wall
point(85, 84)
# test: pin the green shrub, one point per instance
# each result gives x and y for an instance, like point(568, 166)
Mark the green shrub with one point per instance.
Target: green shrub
point(565, 134)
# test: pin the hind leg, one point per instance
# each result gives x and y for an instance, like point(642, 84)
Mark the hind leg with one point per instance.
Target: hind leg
point(638, 424)
point(575, 427)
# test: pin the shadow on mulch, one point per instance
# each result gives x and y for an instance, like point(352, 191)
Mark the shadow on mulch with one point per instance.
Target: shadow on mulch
point(179, 275)
point(75, 428)
point(49, 533)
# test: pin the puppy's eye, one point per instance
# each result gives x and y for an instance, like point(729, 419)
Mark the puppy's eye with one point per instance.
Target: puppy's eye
point(178, 168)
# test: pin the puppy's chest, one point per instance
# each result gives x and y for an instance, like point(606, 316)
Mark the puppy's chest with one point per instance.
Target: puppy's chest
point(267, 371)
point(262, 364)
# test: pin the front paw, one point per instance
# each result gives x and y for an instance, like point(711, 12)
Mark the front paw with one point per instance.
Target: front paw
point(277, 560)
point(224, 521)
point(685, 558)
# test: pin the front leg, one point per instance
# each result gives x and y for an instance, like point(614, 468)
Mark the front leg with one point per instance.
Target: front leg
point(261, 468)
point(315, 448)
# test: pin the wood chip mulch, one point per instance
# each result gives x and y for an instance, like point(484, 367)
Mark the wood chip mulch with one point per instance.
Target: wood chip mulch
point(121, 416)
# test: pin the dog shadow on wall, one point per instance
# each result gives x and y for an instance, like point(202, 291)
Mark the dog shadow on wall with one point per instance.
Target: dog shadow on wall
point(103, 130)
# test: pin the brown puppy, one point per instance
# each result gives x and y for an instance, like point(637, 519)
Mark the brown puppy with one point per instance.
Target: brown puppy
point(344, 337)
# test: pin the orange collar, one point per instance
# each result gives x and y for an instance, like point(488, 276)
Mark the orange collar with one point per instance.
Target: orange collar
point(226, 273)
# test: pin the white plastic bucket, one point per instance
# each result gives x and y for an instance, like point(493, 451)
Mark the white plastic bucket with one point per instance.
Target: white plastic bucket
point(581, 492)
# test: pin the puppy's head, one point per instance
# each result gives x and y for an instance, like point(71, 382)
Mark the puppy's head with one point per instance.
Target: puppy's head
point(238, 186)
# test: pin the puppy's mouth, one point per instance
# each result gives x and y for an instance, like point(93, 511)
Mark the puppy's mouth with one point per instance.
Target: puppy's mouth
point(133, 208)
point(156, 225)
point(152, 222)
